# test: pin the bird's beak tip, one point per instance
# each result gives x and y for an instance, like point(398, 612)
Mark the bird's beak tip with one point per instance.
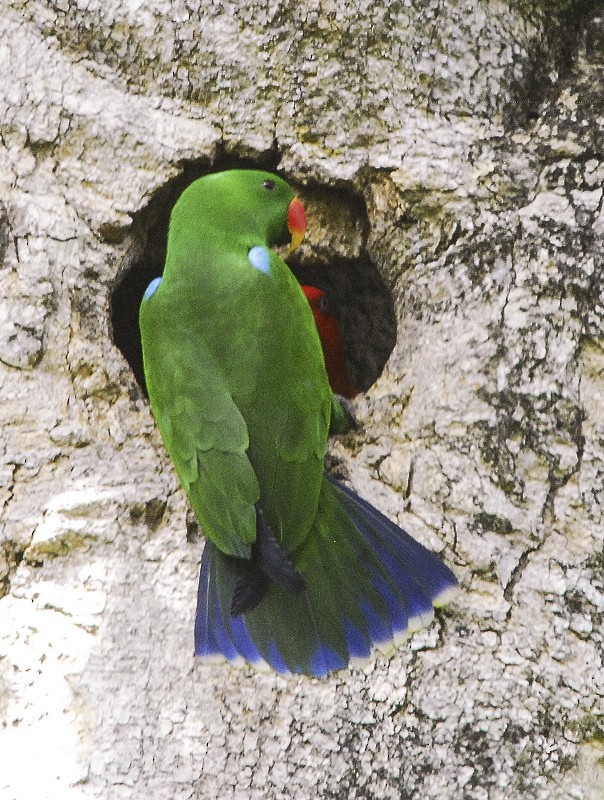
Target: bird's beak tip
point(296, 223)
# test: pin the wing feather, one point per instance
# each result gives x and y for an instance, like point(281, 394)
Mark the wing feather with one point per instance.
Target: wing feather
point(203, 430)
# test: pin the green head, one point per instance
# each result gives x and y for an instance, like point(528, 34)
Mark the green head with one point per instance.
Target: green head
point(253, 205)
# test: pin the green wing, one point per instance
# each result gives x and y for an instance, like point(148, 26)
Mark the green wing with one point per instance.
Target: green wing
point(288, 418)
point(238, 387)
point(202, 428)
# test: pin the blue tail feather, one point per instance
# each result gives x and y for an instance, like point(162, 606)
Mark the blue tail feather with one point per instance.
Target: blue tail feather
point(358, 644)
point(217, 634)
point(367, 584)
point(380, 626)
point(275, 660)
point(405, 595)
point(396, 605)
point(206, 643)
point(325, 660)
point(219, 631)
point(426, 568)
point(243, 642)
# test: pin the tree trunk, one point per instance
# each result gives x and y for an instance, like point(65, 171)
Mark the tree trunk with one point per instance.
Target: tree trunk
point(450, 158)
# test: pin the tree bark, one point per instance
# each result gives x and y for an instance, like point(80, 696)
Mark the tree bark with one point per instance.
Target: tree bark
point(454, 148)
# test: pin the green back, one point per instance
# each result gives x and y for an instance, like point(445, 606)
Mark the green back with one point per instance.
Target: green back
point(234, 366)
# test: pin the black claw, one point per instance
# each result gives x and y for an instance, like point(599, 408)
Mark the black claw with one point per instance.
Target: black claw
point(268, 563)
point(249, 591)
point(272, 560)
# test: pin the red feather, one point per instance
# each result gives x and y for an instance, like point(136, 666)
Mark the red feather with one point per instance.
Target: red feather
point(331, 341)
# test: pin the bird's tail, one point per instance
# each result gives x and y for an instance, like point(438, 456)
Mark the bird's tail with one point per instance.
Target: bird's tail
point(368, 584)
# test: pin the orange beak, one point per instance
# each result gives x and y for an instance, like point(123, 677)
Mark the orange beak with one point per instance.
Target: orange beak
point(296, 223)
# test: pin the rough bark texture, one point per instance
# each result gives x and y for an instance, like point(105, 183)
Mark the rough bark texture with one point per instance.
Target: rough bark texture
point(462, 141)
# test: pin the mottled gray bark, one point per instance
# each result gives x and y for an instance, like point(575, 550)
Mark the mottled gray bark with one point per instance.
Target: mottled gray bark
point(456, 146)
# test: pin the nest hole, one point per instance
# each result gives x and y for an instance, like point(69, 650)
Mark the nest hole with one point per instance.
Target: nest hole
point(357, 296)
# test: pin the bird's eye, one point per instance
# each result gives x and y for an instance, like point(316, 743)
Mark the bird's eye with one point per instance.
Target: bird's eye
point(268, 185)
point(324, 305)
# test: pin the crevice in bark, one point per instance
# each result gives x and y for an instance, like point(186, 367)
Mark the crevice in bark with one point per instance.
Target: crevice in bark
point(11, 555)
point(552, 59)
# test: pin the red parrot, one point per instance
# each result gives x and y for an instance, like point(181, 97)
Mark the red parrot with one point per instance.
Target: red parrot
point(331, 342)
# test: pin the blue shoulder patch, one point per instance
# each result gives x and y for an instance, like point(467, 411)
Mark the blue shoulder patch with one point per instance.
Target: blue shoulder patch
point(151, 288)
point(260, 258)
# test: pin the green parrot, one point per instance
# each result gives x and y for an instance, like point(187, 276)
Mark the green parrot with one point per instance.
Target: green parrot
point(298, 573)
